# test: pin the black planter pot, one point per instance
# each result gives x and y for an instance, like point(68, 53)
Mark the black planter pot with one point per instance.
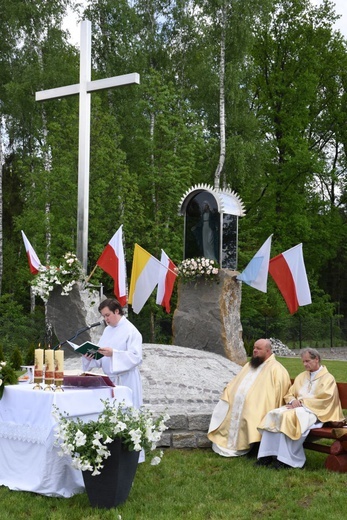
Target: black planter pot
point(113, 485)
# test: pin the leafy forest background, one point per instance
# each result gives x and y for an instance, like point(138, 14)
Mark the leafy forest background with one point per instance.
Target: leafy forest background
point(245, 94)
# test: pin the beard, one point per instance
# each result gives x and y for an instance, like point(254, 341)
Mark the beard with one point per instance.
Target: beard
point(255, 362)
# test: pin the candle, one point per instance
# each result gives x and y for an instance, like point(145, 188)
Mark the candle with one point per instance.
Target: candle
point(39, 359)
point(49, 362)
point(59, 364)
point(38, 365)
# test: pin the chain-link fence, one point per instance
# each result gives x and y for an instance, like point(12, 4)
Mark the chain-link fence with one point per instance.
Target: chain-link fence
point(297, 332)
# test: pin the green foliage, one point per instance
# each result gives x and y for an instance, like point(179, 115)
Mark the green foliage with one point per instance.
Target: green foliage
point(7, 376)
point(196, 479)
point(286, 139)
point(16, 359)
point(30, 355)
point(17, 327)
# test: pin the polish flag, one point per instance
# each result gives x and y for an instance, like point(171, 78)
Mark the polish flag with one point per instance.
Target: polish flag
point(288, 271)
point(34, 262)
point(112, 261)
point(166, 282)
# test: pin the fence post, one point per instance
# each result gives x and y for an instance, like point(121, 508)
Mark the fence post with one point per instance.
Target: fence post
point(300, 332)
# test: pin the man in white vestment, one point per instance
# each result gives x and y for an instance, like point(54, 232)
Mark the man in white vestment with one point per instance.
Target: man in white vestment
point(312, 400)
point(261, 384)
point(121, 346)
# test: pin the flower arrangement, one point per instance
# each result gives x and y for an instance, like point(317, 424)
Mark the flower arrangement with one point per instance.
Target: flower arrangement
point(69, 272)
point(193, 268)
point(87, 442)
point(7, 376)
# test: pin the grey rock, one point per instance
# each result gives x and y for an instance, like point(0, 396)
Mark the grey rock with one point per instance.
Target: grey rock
point(73, 312)
point(208, 316)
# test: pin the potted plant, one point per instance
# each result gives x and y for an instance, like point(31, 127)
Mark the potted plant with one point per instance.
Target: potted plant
point(106, 450)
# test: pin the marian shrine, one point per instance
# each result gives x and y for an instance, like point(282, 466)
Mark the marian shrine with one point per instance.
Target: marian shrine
point(208, 312)
point(211, 224)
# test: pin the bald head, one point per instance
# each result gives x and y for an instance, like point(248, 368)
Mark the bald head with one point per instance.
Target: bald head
point(262, 350)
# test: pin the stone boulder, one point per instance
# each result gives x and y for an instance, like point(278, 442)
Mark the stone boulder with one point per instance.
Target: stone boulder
point(207, 316)
point(73, 312)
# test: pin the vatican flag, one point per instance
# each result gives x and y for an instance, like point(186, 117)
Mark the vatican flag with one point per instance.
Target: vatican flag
point(144, 278)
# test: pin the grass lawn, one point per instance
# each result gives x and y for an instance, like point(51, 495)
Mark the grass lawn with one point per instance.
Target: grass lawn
point(200, 485)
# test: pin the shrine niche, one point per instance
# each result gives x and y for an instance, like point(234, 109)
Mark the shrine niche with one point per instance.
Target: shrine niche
point(207, 316)
point(211, 224)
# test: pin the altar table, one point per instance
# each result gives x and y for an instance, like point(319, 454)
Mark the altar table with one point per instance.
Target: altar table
point(29, 460)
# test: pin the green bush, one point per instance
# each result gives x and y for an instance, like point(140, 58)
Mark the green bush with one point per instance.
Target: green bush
point(16, 359)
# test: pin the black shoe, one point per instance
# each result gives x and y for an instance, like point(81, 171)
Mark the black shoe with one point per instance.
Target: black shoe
point(280, 465)
point(253, 452)
point(264, 461)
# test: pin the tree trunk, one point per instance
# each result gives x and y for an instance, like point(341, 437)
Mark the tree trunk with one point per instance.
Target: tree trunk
point(220, 166)
point(1, 239)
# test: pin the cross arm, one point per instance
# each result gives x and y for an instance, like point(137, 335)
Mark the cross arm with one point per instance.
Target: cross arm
point(53, 93)
point(115, 81)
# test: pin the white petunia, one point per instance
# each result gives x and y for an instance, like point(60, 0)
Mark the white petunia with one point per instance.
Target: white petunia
point(155, 461)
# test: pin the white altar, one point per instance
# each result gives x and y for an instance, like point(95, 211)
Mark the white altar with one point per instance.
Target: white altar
point(29, 460)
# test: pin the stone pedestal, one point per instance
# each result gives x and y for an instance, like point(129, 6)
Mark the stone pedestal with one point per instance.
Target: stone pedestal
point(207, 316)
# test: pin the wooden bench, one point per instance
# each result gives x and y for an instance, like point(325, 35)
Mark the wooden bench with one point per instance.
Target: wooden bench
point(337, 451)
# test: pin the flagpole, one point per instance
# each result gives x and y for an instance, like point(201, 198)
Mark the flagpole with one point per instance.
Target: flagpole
point(91, 274)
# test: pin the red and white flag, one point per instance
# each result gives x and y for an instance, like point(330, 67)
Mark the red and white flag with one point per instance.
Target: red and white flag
point(33, 259)
point(288, 271)
point(112, 261)
point(166, 282)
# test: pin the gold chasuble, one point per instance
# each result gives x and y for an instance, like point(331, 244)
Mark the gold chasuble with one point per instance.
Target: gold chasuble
point(243, 404)
point(319, 397)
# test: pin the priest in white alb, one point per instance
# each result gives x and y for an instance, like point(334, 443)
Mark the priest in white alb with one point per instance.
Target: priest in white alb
point(259, 387)
point(312, 400)
point(121, 347)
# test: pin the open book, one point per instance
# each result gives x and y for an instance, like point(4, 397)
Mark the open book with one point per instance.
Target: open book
point(87, 348)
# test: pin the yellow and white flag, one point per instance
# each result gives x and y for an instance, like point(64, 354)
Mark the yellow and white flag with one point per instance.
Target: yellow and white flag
point(144, 278)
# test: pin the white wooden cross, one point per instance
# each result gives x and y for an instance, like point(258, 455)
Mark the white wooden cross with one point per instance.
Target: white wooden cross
point(83, 88)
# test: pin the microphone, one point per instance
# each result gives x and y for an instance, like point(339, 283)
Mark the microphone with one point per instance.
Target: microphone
point(95, 324)
point(80, 331)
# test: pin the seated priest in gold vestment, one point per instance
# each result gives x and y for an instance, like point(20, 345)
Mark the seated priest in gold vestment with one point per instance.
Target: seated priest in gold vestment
point(312, 400)
point(258, 387)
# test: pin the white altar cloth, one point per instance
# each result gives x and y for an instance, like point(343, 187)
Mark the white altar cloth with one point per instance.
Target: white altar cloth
point(29, 461)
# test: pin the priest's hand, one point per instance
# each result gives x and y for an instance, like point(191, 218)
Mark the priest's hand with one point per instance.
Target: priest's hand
point(106, 351)
point(89, 356)
point(294, 404)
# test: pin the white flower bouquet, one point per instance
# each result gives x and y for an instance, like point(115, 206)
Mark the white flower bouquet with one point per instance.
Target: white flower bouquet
point(87, 442)
point(193, 268)
point(69, 272)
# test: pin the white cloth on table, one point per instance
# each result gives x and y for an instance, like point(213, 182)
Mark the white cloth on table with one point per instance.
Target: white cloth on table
point(29, 460)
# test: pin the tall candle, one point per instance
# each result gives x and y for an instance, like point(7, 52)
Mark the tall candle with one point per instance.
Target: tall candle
point(59, 364)
point(49, 362)
point(39, 359)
